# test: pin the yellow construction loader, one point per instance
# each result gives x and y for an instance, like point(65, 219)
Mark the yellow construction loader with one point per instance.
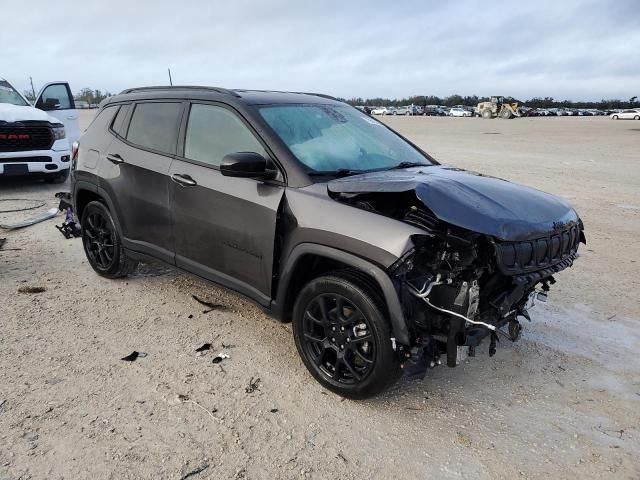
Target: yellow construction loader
point(497, 107)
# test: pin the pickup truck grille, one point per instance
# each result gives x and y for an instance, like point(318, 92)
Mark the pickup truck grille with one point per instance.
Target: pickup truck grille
point(514, 258)
point(25, 138)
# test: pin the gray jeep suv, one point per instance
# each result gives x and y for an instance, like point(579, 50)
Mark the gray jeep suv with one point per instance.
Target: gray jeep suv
point(384, 260)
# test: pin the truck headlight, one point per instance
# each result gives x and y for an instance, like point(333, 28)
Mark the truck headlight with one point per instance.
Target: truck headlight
point(58, 132)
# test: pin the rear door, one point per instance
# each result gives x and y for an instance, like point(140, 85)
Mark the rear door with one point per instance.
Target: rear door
point(135, 174)
point(224, 227)
point(57, 100)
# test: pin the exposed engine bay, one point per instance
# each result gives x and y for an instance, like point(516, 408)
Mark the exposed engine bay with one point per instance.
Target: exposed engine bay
point(458, 287)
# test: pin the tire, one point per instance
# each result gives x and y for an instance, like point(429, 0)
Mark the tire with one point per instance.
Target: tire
point(486, 113)
point(350, 355)
point(637, 117)
point(407, 114)
point(102, 243)
point(506, 114)
point(59, 177)
point(615, 117)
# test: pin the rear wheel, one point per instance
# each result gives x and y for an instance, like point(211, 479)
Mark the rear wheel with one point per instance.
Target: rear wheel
point(506, 113)
point(102, 244)
point(615, 117)
point(637, 117)
point(487, 113)
point(343, 337)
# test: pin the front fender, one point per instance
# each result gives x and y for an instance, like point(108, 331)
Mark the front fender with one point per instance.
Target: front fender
point(396, 315)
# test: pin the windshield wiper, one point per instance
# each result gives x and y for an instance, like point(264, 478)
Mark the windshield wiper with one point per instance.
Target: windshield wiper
point(402, 165)
point(340, 172)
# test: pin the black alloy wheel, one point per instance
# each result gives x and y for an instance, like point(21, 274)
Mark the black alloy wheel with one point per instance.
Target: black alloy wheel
point(102, 243)
point(342, 333)
point(337, 337)
point(99, 241)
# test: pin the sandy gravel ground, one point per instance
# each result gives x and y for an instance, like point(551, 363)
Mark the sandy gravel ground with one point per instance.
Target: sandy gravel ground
point(564, 402)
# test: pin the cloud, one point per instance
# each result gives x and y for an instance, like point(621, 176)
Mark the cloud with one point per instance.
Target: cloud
point(568, 49)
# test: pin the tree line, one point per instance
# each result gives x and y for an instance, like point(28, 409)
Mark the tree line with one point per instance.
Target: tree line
point(86, 94)
point(473, 100)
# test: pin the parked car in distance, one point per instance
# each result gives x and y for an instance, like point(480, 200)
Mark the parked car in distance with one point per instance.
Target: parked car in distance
point(434, 111)
point(406, 110)
point(631, 114)
point(409, 260)
point(36, 141)
point(383, 111)
point(459, 112)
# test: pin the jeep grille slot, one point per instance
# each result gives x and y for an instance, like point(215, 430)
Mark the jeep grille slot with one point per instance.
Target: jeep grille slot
point(530, 255)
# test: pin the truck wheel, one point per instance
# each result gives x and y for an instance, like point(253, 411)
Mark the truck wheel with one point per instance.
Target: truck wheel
point(59, 177)
point(506, 113)
point(487, 114)
point(343, 337)
point(102, 244)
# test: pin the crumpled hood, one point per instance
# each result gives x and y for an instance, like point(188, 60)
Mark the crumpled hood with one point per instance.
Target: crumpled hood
point(17, 113)
point(483, 204)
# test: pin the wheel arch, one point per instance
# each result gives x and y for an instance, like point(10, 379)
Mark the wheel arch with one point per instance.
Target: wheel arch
point(308, 261)
point(85, 192)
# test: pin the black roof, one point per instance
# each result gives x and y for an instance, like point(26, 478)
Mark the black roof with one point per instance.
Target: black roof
point(250, 97)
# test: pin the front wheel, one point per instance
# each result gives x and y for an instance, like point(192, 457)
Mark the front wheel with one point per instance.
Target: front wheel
point(615, 117)
point(637, 117)
point(343, 337)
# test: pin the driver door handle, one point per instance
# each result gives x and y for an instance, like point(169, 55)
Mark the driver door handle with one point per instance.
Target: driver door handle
point(184, 180)
point(115, 158)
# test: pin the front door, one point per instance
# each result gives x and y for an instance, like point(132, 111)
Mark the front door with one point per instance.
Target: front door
point(56, 99)
point(224, 228)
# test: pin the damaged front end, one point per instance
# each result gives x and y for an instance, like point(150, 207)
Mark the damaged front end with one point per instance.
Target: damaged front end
point(459, 286)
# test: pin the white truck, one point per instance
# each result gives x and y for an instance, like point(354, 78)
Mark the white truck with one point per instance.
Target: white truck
point(37, 140)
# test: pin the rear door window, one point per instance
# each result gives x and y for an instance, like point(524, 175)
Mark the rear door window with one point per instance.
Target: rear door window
point(155, 126)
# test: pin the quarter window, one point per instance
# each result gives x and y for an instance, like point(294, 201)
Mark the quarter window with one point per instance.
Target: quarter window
point(118, 122)
point(155, 126)
point(213, 132)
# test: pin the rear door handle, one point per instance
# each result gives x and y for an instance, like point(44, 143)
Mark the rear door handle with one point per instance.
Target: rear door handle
point(115, 158)
point(184, 180)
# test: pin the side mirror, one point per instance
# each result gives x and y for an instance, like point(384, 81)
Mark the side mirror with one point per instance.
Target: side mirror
point(246, 165)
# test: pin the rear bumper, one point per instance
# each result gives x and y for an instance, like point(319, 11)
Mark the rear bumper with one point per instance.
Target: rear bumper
point(37, 162)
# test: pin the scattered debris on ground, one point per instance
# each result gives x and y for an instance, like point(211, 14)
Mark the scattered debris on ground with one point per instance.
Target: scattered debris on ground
point(32, 289)
point(2, 242)
point(40, 217)
point(274, 410)
point(211, 306)
point(69, 228)
point(204, 347)
point(253, 385)
point(218, 358)
point(133, 356)
point(195, 471)
point(185, 399)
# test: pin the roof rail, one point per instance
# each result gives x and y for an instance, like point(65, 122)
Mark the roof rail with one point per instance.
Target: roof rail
point(322, 95)
point(178, 87)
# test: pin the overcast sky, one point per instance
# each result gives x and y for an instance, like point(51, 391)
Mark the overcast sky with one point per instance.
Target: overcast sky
point(563, 48)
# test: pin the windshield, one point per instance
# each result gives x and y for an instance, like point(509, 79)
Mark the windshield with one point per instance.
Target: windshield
point(338, 137)
point(9, 95)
